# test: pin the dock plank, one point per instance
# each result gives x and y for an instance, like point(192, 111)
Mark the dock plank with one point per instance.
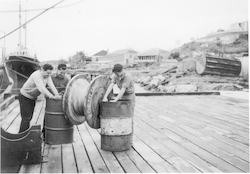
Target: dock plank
point(140, 163)
point(68, 159)
point(154, 160)
point(108, 157)
point(127, 165)
point(54, 164)
point(8, 109)
point(97, 162)
point(82, 161)
point(171, 141)
point(195, 144)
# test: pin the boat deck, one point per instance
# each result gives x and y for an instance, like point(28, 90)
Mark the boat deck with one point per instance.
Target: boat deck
point(180, 133)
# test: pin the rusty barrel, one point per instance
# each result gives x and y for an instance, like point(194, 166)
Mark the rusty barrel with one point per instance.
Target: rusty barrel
point(58, 130)
point(116, 125)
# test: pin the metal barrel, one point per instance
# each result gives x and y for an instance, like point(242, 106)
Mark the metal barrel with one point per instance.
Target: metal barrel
point(58, 130)
point(116, 125)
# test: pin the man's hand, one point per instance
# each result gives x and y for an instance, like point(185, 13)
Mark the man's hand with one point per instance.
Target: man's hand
point(115, 100)
point(56, 97)
point(105, 99)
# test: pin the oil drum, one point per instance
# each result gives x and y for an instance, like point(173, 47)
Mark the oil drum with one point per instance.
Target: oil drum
point(116, 125)
point(58, 130)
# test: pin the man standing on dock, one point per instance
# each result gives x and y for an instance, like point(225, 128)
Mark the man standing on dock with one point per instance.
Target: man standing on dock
point(125, 83)
point(60, 79)
point(32, 88)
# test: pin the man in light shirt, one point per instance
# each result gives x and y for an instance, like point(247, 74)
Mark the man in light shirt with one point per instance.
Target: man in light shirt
point(32, 88)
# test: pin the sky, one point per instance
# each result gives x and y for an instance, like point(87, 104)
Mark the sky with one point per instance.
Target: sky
point(94, 25)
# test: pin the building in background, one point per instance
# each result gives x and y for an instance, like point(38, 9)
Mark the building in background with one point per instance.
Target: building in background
point(242, 26)
point(151, 56)
point(235, 31)
point(95, 57)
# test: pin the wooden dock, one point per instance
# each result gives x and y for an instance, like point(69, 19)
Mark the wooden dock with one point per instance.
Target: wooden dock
point(181, 133)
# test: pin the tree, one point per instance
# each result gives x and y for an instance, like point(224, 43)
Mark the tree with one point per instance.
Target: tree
point(78, 60)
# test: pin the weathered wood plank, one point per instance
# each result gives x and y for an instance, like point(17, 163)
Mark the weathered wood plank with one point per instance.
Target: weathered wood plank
point(54, 159)
point(108, 157)
point(37, 111)
point(205, 135)
point(140, 163)
point(176, 161)
point(4, 104)
point(10, 118)
point(82, 160)
point(93, 153)
point(204, 117)
point(54, 164)
point(171, 142)
point(126, 163)
point(221, 112)
point(15, 125)
point(154, 160)
point(8, 109)
point(208, 156)
point(45, 158)
point(68, 159)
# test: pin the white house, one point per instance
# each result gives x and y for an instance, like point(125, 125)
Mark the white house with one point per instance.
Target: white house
point(124, 57)
point(95, 57)
point(152, 56)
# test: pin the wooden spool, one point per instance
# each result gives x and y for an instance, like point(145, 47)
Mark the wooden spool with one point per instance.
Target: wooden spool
point(58, 130)
point(116, 125)
point(94, 96)
point(73, 99)
point(23, 148)
point(215, 65)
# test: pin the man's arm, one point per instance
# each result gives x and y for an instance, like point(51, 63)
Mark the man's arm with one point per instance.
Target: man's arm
point(108, 91)
point(41, 87)
point(119, 96)
point(52, 86)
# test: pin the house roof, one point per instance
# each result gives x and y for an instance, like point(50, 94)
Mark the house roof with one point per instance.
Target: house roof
point(152, 52)
point(101, 53)
point(124, 51)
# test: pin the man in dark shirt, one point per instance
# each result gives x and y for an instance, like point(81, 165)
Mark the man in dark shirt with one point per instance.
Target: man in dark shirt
point(125, 83)
point(60, 79)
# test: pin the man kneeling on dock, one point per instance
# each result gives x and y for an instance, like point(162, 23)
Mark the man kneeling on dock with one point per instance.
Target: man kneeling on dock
point(32, 88)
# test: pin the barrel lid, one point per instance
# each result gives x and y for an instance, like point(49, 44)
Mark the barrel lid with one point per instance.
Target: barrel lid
point(73, 99)
point(94, 96)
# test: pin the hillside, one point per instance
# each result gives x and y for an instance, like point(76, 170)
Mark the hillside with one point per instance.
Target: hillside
point(183, 76)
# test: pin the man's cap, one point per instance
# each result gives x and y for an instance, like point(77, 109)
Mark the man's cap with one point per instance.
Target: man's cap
point(117, 68)
point(62, 66)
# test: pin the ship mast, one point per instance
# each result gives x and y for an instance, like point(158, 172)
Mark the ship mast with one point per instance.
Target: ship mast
point(20, 26)
point(25, 29)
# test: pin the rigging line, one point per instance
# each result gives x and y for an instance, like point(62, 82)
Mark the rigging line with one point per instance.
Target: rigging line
point(31, 19)
point(28, 10)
